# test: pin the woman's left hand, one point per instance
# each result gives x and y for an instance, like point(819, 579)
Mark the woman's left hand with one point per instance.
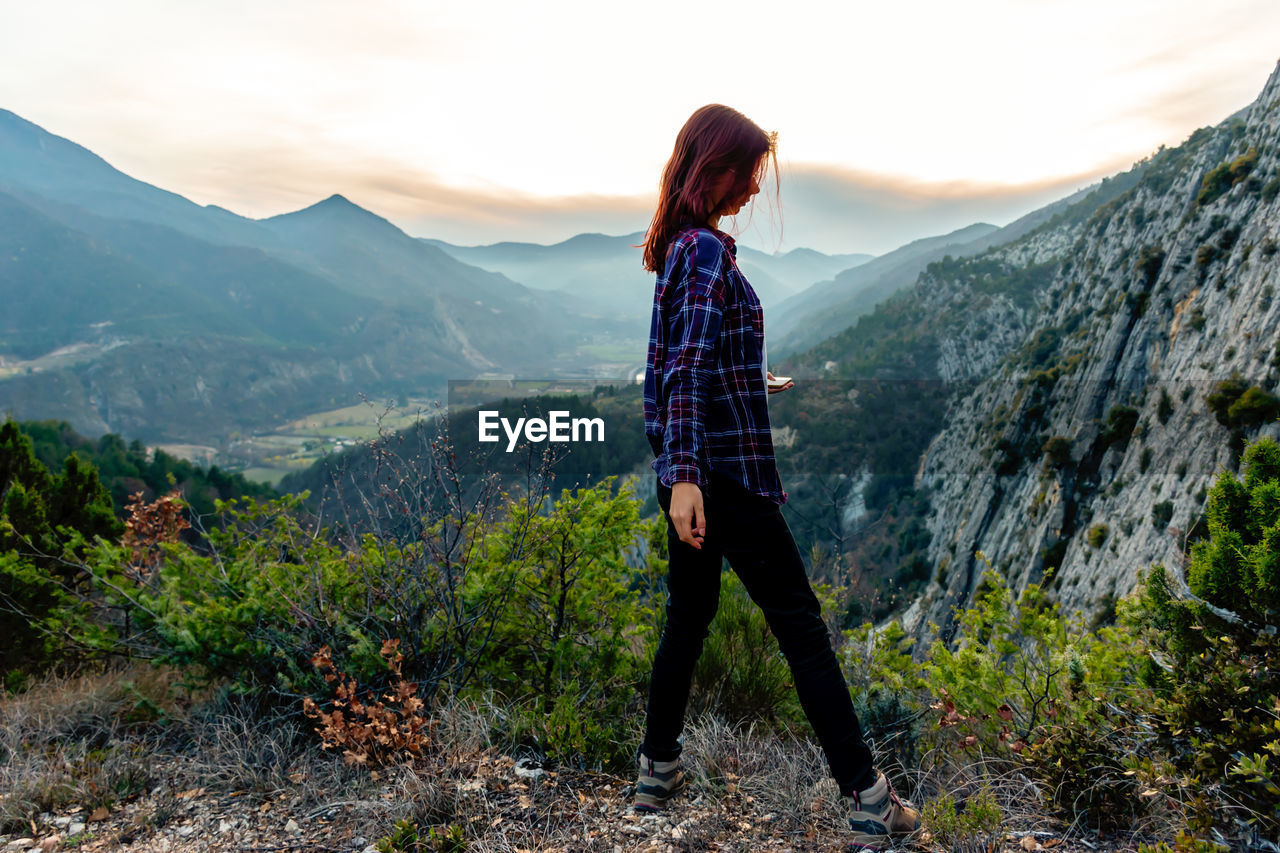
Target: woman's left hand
point(790, 384)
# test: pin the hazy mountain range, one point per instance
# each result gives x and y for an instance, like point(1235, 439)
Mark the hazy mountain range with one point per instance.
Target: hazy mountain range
point(134, 310)
point(604, 273)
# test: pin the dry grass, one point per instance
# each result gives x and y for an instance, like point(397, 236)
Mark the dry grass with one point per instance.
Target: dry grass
point(79, 740)
point(179, 772)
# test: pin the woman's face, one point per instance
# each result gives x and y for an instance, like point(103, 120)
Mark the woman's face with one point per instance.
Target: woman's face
point(724, 206)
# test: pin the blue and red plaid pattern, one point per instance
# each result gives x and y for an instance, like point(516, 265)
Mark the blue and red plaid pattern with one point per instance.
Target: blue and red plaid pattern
point(705, 402)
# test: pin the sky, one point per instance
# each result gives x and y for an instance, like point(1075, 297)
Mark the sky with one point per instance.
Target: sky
point(510, 120)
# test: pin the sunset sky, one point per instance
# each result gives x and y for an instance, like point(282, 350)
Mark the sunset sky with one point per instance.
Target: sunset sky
point(536, 121)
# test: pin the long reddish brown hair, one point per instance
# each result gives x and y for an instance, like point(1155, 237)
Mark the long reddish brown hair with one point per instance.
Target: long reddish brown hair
point(714, 140)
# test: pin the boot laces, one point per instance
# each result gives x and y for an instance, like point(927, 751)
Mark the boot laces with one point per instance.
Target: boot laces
point(893, 795)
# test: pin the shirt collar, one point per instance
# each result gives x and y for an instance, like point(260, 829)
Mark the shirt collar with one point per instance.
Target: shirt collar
point(728, 241)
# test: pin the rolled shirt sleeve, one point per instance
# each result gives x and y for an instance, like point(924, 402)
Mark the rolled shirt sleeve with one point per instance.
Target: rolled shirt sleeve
point(697, 310)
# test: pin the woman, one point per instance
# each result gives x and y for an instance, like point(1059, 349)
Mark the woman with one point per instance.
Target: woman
point(707, 419)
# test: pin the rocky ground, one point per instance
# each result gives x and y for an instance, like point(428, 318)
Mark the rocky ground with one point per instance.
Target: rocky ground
point(80, 771)
point(497, 804)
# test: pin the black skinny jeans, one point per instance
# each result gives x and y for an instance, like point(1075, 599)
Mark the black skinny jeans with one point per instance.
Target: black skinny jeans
point(750, 531)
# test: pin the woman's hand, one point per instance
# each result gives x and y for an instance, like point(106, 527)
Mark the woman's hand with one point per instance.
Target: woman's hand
point(687, 514)
point(790, 384)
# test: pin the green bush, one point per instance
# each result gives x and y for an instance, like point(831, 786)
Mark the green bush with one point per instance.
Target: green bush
point(1097, 535)
point(1226, 175)
point(537, 604)
point(1183, 843)
point(1121, 421)
point(1164, 408)
point(576, 633)
point(406, 837)
point(887, 686)
point(1057, 451)
point(1167, 714)
point(1219, 662)
point(1028, 684)
point(46, 521)
point(977, 827)
point(1240, 406)
point(1149, 262)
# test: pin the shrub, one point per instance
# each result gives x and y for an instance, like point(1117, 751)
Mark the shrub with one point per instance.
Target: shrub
point(1183, 843)
point(1027, 684)
point(1164, 408)
point(406, 837)
point(1057, 451)
point(1148, 264)
point(1121, 421)
point(1206, 255)
point(976, 827)
point(1219, 663)
point(1237, 405)
point(368, 730)
point(1196, 319)
point(1226, 175)
point(536, 600)
point(886, 685)
point(46, 523)
point(1253, 408)
point(576, 632)
point(1097, 535)
point(1161, 514)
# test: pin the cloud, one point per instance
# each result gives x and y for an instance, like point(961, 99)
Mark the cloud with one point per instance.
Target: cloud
point(826, 207)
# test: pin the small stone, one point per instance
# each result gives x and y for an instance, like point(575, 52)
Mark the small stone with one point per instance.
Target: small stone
point(360, 841)
point(224, 826)
point(527, 770)
point(75, 828)
point(292, 827)
point(370, 849)
point(186, 831)
point(62, 822)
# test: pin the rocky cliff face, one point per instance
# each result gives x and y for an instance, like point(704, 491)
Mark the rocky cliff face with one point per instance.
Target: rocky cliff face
point(1118, 363)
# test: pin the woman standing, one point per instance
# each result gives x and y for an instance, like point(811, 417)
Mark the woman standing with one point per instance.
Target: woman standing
point(707, 418)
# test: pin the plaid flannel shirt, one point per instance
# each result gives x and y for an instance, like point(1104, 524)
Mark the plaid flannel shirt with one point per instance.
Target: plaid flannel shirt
point(706, 406)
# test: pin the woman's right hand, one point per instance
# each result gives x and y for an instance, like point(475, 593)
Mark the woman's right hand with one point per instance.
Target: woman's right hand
point(687, 513)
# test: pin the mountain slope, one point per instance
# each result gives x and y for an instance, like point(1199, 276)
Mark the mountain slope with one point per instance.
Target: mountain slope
point(267, 297)
point(496, 320)
point(829, 306)
point(135, 311)
point(60, 287)
point(32, 160)
point(1110, 393)
point(357, 250)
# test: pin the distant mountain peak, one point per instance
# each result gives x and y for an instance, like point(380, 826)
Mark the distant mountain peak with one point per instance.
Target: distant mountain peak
point(335, 208)
point(338, 200)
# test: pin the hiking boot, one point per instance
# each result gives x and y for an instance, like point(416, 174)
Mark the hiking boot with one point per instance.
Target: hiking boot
point(877, 814)
point(657, 782)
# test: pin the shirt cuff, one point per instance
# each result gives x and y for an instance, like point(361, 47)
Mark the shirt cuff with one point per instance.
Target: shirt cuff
point(678, 473)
